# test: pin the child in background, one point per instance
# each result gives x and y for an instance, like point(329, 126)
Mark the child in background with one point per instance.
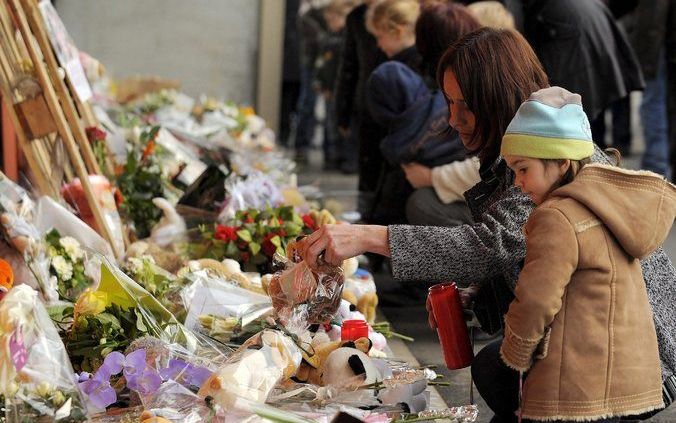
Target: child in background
point(580, 323)
point(327, 72)
point(492, 14)
point(392, 23)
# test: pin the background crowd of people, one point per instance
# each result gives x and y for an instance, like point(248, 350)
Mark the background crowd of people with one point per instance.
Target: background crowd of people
point(388, 124)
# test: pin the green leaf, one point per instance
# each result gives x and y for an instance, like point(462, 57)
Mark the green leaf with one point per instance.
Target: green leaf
point(244, 235)
point(254, 247)
point(139, 322)
point(232, 250)
point(107, 319)
point(276, 241)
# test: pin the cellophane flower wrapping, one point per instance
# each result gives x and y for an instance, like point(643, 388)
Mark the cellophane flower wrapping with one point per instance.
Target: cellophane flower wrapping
point(221, 309)
point(36, 377)
point(253, 370)
point(256, 191)
point(302, 296)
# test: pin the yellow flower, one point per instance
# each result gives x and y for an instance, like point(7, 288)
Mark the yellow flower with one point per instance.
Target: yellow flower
point(58, 398)
point(44, 389)
point(247, 111)
point(91, 303)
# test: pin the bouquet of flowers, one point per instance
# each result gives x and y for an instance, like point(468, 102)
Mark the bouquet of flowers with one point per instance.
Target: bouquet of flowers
point(36, 378)
point(117, 313)
point(66, 258)
point(139, 182)
point(253, 237)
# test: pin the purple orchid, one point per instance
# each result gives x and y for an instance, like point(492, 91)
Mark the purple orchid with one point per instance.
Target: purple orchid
point(140, 377)
point(97, 389)
point(185, 373)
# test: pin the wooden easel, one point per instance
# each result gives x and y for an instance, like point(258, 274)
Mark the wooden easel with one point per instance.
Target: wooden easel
point(50, 116)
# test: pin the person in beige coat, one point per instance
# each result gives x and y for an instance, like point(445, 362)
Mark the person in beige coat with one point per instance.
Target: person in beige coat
point(580, 326)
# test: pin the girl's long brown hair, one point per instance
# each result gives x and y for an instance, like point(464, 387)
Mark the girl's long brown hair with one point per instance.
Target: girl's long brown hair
point(496, 70)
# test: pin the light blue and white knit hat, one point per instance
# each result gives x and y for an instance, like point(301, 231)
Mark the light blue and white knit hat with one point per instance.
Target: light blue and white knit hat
point(551, 124)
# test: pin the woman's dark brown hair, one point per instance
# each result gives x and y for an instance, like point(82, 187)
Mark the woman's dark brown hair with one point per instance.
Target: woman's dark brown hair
point(496, 70)
point(439, 26)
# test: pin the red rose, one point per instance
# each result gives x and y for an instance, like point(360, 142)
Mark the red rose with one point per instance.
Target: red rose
point(309, 221)
point(95, 134)
point(268, 247)
point(225, 233)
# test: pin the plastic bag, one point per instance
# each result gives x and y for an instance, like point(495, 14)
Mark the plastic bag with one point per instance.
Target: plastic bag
point(36, 377)
point(304, 296)
point(223, 310)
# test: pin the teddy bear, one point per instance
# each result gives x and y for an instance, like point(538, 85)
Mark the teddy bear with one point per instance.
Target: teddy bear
point(360, 289)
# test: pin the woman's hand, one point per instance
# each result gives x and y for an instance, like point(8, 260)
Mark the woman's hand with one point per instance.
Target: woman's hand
point(342, 241)
point(418, 175)
point(467, 296)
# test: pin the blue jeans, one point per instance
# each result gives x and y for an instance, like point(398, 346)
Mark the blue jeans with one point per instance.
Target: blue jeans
point(655, 125)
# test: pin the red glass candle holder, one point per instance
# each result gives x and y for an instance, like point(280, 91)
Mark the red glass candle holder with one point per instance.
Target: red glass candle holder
point(353, 330)
point(451, 326)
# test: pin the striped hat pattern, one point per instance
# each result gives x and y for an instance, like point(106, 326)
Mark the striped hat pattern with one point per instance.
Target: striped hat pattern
point(551, 124)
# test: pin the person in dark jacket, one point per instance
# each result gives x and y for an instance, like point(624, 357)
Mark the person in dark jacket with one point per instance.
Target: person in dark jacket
point(359, 58)
point(290, 72)
point(312, 30)
point(652, 32)
point(416, 119)
point(392, 23)
point(583, 50)
point(327, 70)
point(488, 253)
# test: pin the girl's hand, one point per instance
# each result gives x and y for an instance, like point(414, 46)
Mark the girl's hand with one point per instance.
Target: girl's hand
point(342, 241)
point(418, 175)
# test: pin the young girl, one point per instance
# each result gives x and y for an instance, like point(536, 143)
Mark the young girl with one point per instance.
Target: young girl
point(580, 323)
point(392, 22)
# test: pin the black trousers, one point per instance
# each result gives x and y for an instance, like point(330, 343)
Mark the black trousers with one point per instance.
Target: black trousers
point(499, 386)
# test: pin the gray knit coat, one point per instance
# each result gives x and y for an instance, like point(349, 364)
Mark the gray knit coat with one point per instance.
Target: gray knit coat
point(493, 248)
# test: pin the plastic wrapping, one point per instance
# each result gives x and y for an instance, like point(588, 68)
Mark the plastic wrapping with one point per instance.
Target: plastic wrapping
point(221, 309)
point(304, 296)
point(257, 191)
point(119, 312)
point(36, 377)
point(103, 192)
point(254, 369)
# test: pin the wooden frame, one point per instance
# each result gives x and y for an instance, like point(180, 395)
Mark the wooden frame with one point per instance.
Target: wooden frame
point(24, 16)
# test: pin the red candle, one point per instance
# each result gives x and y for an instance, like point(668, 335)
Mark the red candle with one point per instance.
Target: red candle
point(353, 330)
point(451, 326)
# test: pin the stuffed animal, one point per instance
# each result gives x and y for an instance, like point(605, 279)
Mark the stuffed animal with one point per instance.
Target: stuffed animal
point(170, 228)
point(360, 289)
point(150, 417)
point(349, 367)
point(314, 366)
point(166, 259)
point(254, 369)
